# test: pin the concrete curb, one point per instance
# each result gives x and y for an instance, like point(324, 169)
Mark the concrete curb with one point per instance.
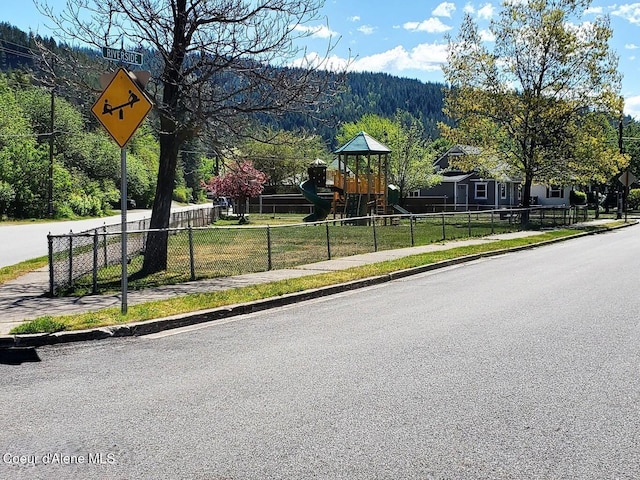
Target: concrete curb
point(193, 318)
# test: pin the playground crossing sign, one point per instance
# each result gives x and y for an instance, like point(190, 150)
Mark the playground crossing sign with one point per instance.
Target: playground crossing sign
point(121, 107)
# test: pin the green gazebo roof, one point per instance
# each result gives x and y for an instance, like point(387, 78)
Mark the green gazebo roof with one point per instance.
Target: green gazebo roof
point(363, 144)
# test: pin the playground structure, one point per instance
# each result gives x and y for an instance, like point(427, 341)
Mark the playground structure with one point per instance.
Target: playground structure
point(358, 182)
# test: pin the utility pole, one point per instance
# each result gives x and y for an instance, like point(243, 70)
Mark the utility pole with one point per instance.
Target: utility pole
point(51, 140)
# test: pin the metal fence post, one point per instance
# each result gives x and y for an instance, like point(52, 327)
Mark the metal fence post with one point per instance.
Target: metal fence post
point(192, 264)
point(70, 258)
point(51, 279)
point(269, 258)
point(95, 261)
point(413, 240)
point(444, 235)
point(469, 224)
point(106, 255)
point(492, 226)
point(326, 224)
point(375, 233)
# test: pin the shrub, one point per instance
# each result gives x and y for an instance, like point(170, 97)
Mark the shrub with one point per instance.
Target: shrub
point(634, 198)
point(577, 198)
point(182, 194)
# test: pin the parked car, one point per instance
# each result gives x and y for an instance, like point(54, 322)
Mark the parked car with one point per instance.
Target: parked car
point(131, 204)
point(225, 205)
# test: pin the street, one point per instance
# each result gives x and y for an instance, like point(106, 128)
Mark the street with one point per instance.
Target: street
point(26, 241)
point(515, 367)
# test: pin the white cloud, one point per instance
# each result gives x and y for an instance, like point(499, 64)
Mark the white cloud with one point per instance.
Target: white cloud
point(629, 12)
point(355, 18)
point(487, 36)
point(486, 11)
point(425, 57)
point(631, 46)
point(321, 31)
point(315, 60)
point(594, 11)
point(431, 25)
point(632, 106)
point(366, 29)
point(445, 9)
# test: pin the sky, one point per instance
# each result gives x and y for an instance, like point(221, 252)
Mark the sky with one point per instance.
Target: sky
point(406, 38)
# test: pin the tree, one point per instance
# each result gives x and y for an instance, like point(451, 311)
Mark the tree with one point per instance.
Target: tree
point(284, 155)
point(535, 104)
point(241, 182)
point(410, 165)
point(214, 65)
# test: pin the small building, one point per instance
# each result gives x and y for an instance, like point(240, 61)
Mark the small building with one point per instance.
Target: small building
point(461, 190)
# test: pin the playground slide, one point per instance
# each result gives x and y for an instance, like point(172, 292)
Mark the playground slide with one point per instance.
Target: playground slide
point(401, 210)
point(321, 206)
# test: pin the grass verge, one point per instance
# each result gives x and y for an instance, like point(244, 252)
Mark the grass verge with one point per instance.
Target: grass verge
point(203, 301)
point(14, 271)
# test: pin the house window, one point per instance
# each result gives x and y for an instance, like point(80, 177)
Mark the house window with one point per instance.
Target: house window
point(503, 191)
point(481, 191)
point(555, 192)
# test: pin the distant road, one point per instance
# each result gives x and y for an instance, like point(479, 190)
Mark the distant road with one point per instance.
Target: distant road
point(23, 242)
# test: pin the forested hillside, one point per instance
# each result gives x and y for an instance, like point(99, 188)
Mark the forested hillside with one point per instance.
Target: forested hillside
point(377, 93)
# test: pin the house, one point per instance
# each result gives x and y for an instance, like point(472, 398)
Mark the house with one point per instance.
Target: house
point(461, 190)
point(550, 195)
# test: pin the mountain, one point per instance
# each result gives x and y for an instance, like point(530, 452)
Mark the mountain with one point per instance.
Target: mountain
point(378, 93)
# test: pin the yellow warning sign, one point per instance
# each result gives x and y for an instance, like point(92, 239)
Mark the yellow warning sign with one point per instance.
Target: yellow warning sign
point(121, 107)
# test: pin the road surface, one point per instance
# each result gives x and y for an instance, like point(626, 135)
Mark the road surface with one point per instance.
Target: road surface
point(516, 367)
point(26, 241)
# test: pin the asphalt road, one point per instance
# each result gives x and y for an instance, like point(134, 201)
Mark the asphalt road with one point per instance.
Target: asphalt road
point(521, 366)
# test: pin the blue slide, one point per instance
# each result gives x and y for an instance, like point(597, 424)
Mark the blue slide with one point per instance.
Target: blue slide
point(322, 207)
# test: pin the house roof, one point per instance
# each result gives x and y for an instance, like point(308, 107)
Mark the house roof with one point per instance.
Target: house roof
point(362, 144)
point(456, 178)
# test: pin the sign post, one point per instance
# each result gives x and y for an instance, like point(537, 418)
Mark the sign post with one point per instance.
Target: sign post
point(626, 179)
point(121, 108)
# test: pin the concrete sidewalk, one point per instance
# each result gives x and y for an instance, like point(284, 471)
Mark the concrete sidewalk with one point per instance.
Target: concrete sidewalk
point(24, 299)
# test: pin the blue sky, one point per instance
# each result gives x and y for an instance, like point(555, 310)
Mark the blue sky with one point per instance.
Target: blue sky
point(406, 37)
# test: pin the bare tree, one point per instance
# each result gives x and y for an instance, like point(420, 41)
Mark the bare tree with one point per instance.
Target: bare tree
point(215, 64)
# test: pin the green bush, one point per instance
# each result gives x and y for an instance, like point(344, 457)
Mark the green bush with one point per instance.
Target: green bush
point(577, 198)
point(634, 198)
point(182, 194)
point(85, 205)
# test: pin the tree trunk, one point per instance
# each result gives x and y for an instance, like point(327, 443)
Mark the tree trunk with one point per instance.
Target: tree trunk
point(526, 199)
point(156, 255)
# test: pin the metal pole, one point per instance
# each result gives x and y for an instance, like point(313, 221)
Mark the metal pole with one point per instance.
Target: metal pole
point(95, 262)
point(51, 272)
point(269, 253)
point(50, 180)
point(326, 225)
point(192, 264)
point(123, 229)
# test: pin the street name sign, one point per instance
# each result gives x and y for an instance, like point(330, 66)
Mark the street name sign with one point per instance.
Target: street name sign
point(121, 107)
point(120, 55)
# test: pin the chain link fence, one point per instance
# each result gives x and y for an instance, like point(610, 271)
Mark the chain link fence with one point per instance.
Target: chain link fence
point(90, 262)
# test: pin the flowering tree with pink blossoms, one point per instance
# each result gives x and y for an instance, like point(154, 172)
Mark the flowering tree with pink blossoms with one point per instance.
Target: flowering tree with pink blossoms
point(241, 182)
